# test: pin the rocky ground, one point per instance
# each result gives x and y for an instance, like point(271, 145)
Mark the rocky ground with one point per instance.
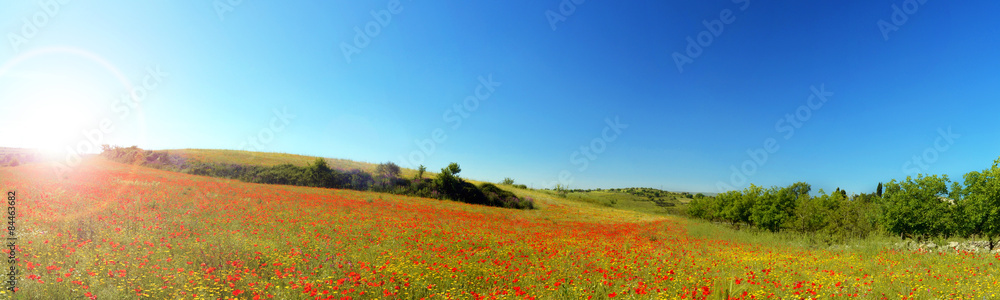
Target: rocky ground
point(969, 246)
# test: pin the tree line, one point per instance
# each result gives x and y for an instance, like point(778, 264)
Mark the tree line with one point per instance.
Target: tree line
point(923, 207)
point(385, 179)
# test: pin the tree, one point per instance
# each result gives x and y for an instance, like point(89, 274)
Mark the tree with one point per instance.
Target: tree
point(878, 191)
point(420, 173)
point(319, 174)
point(387, 170)
point(721, 205)
point(447, 182)
point(701, 207)
point(811, 213)
point(742, 206)
point(982, 210)
point(507, 181)
point(777, 207)
point(793, 193)
point(917, 206)
point(841, 192)
point(768, 208)
point(454, 169)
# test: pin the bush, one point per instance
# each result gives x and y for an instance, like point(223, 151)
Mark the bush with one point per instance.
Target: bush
point(387, 170)
point(356, 180)
point(319, 174)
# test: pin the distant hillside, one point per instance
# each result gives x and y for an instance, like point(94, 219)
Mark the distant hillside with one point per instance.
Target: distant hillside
point(647, 200)
point(10, 157)
point(268, 159)
point(276, 168)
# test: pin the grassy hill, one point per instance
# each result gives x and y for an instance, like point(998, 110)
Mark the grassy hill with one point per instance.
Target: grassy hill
point(642, 200)
point(273, 159)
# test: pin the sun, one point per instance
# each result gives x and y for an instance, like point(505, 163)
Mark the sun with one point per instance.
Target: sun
point(58, 116)
point(51, 97)
point(50, 110)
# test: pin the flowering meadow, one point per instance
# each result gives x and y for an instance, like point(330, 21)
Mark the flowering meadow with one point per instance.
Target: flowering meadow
point(115, 231)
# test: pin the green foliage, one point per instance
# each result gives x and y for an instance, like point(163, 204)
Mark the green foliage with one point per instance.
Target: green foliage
point(388, 170)
point(319, 174)
point(447, 182)
point(922, 207)
point(850, 219)
point(702, 208)
point(740, 208)
point(453, 169)
point(499, 197)
point(420, 173)
point(507, 181)
point(832, 217)
point(917, 207)
point(454, 188)
point(773, 207)
point(981, 203)
point(811, 214)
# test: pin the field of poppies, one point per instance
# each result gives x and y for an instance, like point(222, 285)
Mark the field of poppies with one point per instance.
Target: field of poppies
point(114, 231)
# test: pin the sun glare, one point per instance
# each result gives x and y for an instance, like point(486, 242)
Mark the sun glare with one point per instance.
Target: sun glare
point(54, 96)
point(58, 94)
point(58, 116)
point(53, 111)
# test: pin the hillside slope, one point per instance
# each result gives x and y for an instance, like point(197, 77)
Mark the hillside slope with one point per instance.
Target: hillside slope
point(273, 158)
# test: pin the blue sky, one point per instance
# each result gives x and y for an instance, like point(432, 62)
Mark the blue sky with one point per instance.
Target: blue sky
point(216, 75)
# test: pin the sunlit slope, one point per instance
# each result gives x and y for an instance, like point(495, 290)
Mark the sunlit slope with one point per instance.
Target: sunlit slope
point(272, 159)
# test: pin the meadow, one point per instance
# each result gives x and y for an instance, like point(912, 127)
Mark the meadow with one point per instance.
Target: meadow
point(115, 231)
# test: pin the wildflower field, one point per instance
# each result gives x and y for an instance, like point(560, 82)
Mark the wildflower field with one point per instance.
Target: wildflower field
point(115, 231)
